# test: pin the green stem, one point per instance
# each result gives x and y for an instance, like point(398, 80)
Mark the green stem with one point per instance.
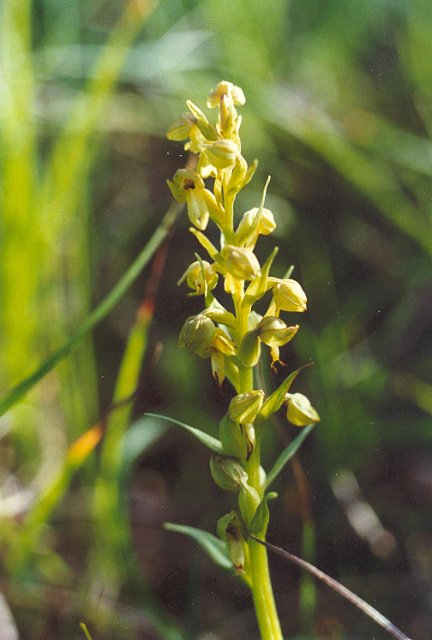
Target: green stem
point(262, 591)
point(246, 379)
point(261, 587)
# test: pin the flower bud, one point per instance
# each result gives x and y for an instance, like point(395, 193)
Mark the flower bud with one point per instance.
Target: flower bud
point(251, 226)
point(240, 263)
point(289, 296)
point(227, 473)
point(199, 275)
point(300, 412)
point(245, 407)
point(238, 175)
point(197, 209)
point(227, 89)
point(222, 153)
point(197, 335)
point(274, 332)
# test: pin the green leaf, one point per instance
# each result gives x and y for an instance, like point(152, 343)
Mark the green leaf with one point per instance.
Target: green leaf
point(139, 437)
point(274, 402)
point(287, 454)
point(211, 443)
point(216, 549)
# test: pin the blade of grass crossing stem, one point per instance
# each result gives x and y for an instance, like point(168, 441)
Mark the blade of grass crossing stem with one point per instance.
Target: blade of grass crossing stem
point(102, 310)
point(366, 608)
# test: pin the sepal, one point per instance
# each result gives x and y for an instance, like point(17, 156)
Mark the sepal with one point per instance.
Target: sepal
point(274, 332)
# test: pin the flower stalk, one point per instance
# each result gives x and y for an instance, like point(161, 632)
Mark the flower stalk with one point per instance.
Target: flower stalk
point(233, 338)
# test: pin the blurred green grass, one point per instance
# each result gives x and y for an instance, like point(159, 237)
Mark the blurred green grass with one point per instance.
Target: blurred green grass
point(339, 113)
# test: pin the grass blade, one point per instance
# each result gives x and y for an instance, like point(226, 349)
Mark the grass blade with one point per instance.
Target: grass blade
point(367, 609)
point(102, 310)
point(287, 454)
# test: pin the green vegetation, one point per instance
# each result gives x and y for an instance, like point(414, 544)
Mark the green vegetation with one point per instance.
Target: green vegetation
point(339, 114)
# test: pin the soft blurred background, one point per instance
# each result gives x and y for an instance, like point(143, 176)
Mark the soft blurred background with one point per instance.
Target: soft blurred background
point(339, 113)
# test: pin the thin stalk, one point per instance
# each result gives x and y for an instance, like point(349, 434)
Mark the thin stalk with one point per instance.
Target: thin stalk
point(262, 590)
point(246, 379)
point(262, 593)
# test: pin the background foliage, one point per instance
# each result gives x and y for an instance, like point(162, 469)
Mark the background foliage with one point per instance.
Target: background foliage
point(339, 113)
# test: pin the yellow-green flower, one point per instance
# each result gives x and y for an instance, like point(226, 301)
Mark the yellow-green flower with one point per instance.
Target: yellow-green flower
point(228, 90)
point(200, 276)
point(181, 128)
point(245, 407)
point(197, 335)
point(252, 225)
point(289, 296)
point(188, 186)
point(240, 263)
point(300, 412)
point(274, 332)
point(221, 154)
